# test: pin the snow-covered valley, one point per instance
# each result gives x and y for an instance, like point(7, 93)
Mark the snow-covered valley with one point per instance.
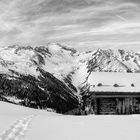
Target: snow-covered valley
point(43, 125)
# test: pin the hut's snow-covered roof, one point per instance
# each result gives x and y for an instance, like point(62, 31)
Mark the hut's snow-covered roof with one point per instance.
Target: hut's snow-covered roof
point(107, 80)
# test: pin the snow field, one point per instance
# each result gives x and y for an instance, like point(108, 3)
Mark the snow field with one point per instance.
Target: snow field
point(32, 124)
point(17, 129)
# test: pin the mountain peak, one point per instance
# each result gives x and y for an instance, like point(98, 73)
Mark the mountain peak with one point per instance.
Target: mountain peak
point(57, 47)
point(53, 47)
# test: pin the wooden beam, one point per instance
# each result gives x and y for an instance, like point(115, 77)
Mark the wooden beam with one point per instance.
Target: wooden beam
point(116, 96)
point(95, 105)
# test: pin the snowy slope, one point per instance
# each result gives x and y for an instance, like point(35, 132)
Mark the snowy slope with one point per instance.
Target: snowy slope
point(52, 58)
point(35, 76)
point(114, 61)
point(30, 124)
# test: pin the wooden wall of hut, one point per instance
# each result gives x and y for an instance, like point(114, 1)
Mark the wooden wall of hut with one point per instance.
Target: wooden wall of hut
point(124, 105)
point(128, 105)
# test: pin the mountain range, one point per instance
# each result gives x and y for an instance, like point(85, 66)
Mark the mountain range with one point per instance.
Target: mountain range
point(55, 76)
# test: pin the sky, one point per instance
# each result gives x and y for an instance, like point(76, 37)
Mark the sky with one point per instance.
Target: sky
point(82, 24)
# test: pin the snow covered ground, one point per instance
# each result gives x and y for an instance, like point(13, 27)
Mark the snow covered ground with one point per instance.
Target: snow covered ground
point(18, 122)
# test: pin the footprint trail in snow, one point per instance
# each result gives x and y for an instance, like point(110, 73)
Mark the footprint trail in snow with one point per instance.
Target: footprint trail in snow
point(17, 129)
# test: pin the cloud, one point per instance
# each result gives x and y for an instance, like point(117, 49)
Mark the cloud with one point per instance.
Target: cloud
point(77, 22)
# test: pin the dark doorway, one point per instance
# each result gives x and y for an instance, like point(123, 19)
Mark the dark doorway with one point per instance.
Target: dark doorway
point(106, 105)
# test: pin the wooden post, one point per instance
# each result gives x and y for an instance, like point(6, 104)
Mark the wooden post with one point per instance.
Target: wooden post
point(118, 106)
point(123, 106)
point(95, 105)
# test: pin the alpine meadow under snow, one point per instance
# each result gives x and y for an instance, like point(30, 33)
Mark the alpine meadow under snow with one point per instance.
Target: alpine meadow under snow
point(18, 122)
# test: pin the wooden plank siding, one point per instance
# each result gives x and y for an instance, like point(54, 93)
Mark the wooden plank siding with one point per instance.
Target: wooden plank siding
point(119, 103)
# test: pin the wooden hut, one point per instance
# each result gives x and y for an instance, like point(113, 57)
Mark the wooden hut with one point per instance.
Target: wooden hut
point(115, 98)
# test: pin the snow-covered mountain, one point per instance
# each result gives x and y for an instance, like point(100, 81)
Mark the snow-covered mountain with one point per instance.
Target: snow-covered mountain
point(52, 58)
point(34, 76)
point(114, 61)
point(54, 75)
